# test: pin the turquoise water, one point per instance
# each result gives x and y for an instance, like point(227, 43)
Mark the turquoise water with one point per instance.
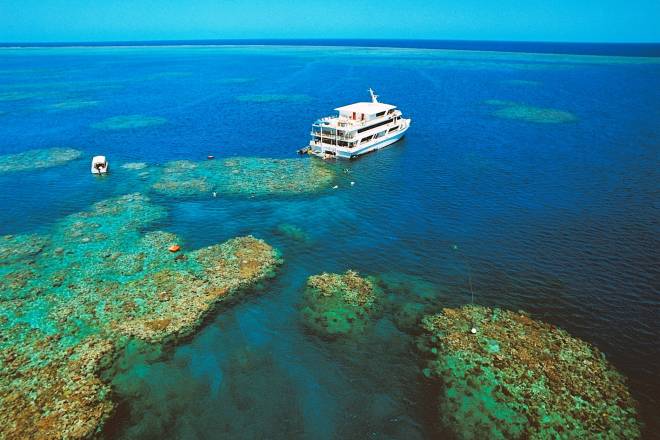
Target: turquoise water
point(535, 175)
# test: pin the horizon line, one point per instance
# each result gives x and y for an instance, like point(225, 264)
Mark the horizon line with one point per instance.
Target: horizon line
point(624, 49)
point(454, 40)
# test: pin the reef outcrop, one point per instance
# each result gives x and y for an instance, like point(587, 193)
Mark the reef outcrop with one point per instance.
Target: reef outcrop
point(528, 113)
point(36, 159)
point(521, 378)
point(340, 304)
point(128, 122)
point(243, 176)
point(72, 298)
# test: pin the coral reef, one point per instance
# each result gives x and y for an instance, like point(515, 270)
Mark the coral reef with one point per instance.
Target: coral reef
point(126, 122)
point(74, 297)
point(521, 378)
point(513, 110)
point(58, 396)
point(251, 176)
point(336, 305)
point(35, 159)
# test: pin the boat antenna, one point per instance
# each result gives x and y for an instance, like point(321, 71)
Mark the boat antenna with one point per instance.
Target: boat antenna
point(374, 97)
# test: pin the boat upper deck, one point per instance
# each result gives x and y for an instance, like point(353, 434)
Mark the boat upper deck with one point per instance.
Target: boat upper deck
point(357, 115)
point(354, 120)
point(366, 108)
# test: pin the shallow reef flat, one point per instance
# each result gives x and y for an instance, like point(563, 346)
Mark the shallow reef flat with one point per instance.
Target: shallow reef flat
point(528, 113)
point(35, 159)
point(246, 176)
point(521, 378)
point(128, 122)
point(73, 298)
point(340, 304)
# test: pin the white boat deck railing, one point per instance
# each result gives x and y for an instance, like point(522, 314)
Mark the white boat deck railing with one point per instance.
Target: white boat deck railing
point(332, 135)
point(342, 121)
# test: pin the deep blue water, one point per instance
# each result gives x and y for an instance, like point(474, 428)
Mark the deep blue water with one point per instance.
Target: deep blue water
point(559, 219)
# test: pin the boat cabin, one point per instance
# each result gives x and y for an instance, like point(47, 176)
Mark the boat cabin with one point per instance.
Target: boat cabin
point(365, 111)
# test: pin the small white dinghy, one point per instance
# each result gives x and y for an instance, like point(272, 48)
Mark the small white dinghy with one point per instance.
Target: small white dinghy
point(99, 165)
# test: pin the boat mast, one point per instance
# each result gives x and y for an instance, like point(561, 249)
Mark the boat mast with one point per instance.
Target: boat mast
point(374, 97)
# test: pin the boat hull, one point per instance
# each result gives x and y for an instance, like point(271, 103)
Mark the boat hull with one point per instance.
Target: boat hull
point(344, 153)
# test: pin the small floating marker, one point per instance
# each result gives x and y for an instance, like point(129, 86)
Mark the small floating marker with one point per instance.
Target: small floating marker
point(215, 194)
point(335, 187)
point(210, 157)
point(473, 331)
point(174, 248)
point(352, 183)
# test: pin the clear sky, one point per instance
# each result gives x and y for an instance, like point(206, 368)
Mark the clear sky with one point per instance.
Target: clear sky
point(531, 20)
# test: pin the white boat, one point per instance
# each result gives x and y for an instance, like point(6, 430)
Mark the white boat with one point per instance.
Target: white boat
point(358, 129)
point(99, 165)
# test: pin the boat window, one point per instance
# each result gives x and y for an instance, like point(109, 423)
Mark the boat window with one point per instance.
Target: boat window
point(380, 114)
point(374, 126)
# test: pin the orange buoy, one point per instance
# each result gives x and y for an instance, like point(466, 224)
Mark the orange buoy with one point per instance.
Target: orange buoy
point(175, 248)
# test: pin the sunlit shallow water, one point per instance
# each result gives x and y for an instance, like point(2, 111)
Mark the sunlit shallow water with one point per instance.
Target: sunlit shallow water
point(533, 175)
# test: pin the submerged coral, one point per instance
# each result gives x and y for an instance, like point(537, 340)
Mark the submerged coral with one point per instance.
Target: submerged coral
point(94, 283)
point(409, 298)
point(521, 378)
point(250, 176)
point(335, 305)
point(134, 165)
point(292, 232)
point(513, 110)
point(72, 105)
point(35, 159)
point(125, 122)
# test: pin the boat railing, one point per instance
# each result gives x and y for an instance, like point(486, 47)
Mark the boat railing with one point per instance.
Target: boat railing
point(345, 122)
